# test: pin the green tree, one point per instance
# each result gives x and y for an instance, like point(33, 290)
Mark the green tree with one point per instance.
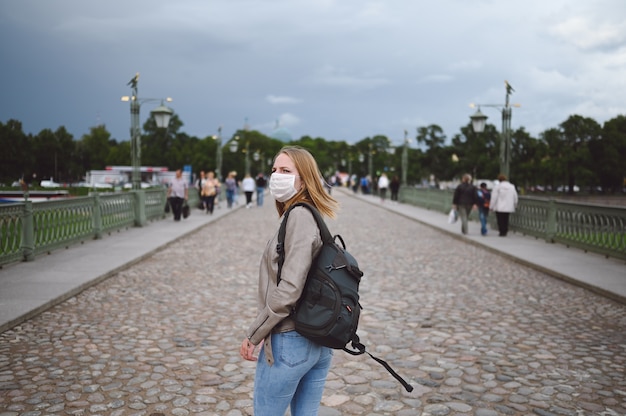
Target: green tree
point(66, 168)
point(181, 152)
point(157, 145)
point(608, 153)
point(437, 159)
point(203, 154)
point(527, 154)
point(119, 153)
point(477, 153)
point(94, 148)
point(53, 154)
point(577, 132)
point(553, 164)
point(16, 157)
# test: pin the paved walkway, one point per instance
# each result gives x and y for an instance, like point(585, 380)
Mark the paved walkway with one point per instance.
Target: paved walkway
point(477, 324)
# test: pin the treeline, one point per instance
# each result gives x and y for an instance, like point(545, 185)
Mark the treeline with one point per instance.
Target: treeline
point(578, 152)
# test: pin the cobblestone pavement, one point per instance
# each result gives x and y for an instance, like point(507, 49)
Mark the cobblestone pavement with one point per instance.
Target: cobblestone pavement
point(474, 333)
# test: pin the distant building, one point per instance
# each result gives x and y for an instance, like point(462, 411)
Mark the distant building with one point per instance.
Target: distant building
point(281, 133)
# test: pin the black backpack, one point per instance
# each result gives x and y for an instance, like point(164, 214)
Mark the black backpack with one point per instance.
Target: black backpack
point(328, 310)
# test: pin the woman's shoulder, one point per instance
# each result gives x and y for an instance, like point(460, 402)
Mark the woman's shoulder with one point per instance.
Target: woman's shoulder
point(302, 223)
point(302, 214)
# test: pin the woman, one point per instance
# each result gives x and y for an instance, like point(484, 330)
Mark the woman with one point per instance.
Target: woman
point(291, 370)
point(464, 200)
point(231, 188)
point(210, 186)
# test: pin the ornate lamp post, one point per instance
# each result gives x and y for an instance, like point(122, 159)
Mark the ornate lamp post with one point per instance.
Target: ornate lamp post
point(350, 165)
point(370, 163)
point(361, 159)
point(256, 156)
point(405, 157)
point(232, 145)
point(247, 150)
point(162, 116)
point(478, 124)
point(218, 154)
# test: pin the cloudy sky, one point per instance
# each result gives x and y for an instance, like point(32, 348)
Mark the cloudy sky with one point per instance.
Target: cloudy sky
point(336, 69)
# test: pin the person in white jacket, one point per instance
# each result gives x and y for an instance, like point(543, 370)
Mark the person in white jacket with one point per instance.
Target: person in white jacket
point(383, 184)
point(503, 202)
point(249, 186)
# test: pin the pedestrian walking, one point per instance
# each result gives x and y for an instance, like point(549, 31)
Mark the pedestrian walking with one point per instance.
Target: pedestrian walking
point(383, 184)
point(504, 202)
point(484, 198)
point(248, 185)
point(354, 183)
point(291, 370)
point(365, 185)
point(231, 188)
point(199, 184)
point(209, 192)
point(261, 183)
point(394, 187)
point(464, 200)
point(177, 194)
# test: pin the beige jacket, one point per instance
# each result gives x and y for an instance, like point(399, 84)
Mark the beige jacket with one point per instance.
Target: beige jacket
point(302, 243)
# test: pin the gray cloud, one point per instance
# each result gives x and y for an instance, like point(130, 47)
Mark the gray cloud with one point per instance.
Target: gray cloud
point(278, 99)
point(339, 69)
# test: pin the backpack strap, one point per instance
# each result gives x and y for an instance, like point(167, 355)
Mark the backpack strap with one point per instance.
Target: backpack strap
point(360, 349)
point(280, 246)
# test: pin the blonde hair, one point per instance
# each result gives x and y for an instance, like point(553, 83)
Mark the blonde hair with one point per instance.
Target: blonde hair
point(312, 191)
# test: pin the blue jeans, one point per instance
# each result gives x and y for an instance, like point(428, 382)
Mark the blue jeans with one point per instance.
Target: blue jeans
point(482, 214)
point(230, 197)
point(259, 196)
point(297, 376)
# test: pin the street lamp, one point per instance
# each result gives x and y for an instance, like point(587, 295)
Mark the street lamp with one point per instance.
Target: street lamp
point(218, 154)
point(231, 144)
point(405, 157)
point(247, 150)
point(479, 121)
point(350, 165)
point(256, 156)
point(370, 162)
point(162, 116)
point(246, 127)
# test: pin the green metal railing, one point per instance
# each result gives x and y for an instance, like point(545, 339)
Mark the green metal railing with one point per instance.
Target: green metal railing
point(12, 217)
point(59, 223)
point(596, 228)
point(599, 229)
point(28, 229)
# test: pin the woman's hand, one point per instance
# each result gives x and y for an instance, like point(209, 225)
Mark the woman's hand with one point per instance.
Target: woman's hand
point(247, 350)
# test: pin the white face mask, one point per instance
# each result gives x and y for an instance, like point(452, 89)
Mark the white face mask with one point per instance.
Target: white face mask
point(282, 186)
